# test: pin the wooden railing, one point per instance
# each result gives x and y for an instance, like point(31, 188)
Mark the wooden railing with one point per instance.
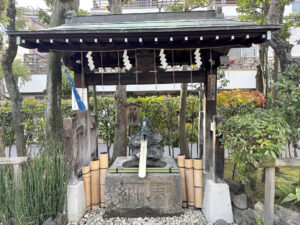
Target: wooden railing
point(270, 184)
point(15, 162)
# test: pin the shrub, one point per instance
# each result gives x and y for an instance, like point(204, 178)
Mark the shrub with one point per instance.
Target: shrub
point(253, 137)
point(237, 102)
point(288, 87)
point(42, 190)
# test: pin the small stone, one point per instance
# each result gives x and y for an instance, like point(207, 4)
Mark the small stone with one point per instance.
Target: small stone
point(220, 222)
point(259, 206)
point(240, 201)
point(49, 221)
point(59, 219)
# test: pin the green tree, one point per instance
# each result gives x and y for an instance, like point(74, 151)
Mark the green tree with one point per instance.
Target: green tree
point(11, 84)
point(54, 76)
point(288, 87)
point(20, 71)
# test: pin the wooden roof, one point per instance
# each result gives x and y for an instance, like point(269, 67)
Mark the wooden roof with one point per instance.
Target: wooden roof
point(171, 30)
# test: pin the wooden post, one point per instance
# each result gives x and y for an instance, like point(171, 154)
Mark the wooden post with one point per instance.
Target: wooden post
point(200, 124)
point(80, 136)
point(70, 152)
point(269, 196)
point(209, 109)
point(96, 114)
point(218, 151)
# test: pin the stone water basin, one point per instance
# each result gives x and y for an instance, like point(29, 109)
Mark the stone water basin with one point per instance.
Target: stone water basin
point(128, 195)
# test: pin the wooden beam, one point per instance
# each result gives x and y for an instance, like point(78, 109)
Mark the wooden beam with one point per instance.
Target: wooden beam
point(144, 78)
point(12, 160)
point(293, 162)
point(108, 46)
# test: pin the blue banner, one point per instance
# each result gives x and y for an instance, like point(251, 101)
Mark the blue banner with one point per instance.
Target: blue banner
point(80, 104)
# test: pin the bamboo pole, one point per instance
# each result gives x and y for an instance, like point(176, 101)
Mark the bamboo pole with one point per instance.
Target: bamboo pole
point(86, 175)
point(189, 176)
point(198, 182)
point(182, 175)
point(103, 169)
point(95, 183)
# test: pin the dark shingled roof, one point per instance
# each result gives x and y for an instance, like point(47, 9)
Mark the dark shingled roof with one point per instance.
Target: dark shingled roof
point(111, 30)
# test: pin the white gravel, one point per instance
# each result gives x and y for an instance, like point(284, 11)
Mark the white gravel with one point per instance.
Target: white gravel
point(189, 217)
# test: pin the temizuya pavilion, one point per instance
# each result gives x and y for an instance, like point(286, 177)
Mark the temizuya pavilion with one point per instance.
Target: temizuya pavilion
point(149, 48)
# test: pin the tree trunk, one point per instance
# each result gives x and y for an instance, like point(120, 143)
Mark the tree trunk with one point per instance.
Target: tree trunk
point(275, 79)
point(11, 85)
point(54, 76)
point(115, 6)
point(2, 147)
point(259, 79)
point(249, 194)
point(184, 148)
point(263, 61)
point(281, 48)
point(120, 142)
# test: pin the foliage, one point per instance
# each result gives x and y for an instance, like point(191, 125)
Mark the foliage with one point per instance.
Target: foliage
point(259, 220)
point(163, 111)
point(34, 120)
point(82, 12)
point(66, 90)
point(238, 102)
point(41, 192)
point(3, 6)
point(253, 10)
point(43, 16)
point(106, 120)
point(253, 137)
point(223, 81)
point(289, 193)
point(257, 11)
point(191, 4)
point(288, 87)
point(19, 71)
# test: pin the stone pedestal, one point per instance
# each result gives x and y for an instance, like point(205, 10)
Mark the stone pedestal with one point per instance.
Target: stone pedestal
point(76, 202)
point(216, 202)
point(158, 194)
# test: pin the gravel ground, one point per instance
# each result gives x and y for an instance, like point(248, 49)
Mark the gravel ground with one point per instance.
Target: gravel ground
point(189, 217)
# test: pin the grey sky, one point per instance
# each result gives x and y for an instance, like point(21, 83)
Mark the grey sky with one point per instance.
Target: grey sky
point(84, 4)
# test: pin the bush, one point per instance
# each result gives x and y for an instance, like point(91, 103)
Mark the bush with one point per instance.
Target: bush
point(253, 137)
point(34, 120)
point(288, 87)
point(237, 102)
point(42, 190)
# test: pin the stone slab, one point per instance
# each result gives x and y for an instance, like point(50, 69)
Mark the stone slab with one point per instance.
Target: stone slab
point(216, 202)
point(158, 194)
point(76, 202)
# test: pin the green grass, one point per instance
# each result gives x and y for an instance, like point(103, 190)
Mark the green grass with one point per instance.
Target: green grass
point(293, 173)
point(42, 190)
